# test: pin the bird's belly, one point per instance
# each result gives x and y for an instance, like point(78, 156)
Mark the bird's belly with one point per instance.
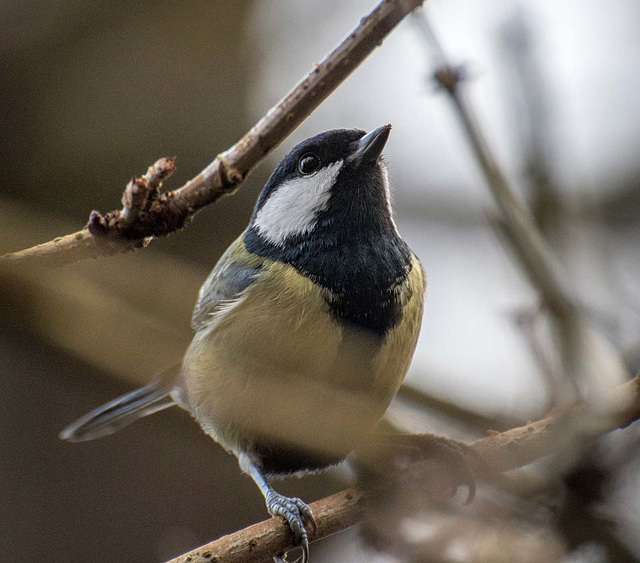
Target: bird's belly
point(271, 374)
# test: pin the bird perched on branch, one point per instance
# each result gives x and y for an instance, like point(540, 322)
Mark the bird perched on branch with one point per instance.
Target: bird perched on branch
point(305, 328)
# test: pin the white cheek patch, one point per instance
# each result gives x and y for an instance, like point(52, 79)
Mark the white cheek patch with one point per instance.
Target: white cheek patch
point(293, 207)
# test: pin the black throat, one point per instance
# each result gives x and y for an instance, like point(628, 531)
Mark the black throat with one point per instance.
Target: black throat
point(354, 251)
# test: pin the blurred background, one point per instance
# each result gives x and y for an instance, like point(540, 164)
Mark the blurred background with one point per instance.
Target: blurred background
point(93, 93)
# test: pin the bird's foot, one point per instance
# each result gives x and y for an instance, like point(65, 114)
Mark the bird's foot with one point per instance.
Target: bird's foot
point(390, 455)
point(297, 514)
point(458, 456)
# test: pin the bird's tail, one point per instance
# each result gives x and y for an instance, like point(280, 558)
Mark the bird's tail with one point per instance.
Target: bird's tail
point(124, 410)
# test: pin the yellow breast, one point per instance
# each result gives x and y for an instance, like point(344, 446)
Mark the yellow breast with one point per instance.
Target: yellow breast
point(275, 364)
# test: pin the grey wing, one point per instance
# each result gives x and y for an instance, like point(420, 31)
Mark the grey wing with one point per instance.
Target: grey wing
point(230, 277)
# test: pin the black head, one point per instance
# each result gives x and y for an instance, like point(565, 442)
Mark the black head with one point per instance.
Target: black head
point(334, 180)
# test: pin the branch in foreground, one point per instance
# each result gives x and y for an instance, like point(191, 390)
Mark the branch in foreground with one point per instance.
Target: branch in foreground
point(261, 541)
point(506, 451)
point(166, 213)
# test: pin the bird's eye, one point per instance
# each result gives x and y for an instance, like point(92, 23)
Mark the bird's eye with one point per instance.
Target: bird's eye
point(308, 164)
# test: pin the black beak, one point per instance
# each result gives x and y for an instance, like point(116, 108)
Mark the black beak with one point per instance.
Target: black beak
point(370, 146)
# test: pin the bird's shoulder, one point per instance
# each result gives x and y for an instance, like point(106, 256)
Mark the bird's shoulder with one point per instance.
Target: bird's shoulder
point(236, 271)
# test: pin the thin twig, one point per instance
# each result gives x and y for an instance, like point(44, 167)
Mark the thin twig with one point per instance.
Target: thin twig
point(540, 264)
point(505, 451)
point(533, 122)
point(536, 258)
point(171, 211)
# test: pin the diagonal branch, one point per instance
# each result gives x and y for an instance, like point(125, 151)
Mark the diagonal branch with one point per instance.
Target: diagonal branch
point(539, 263)
point(576, 338)
point(262, 541)
point(166, 213)
point(505, 450)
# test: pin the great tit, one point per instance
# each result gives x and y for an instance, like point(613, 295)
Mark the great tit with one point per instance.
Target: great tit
point(305, 328)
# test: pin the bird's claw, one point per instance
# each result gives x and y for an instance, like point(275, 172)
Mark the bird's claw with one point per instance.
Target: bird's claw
point(456, 455)
point(304, 558)
point(297, 514)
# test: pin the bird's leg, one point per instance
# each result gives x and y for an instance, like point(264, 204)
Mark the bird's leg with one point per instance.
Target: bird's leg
point(292, 509)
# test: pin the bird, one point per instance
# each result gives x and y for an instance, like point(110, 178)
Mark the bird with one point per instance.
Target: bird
point(304, 329)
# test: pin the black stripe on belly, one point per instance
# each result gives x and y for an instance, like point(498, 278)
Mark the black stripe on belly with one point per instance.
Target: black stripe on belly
point(375, 310)
point(278, 458)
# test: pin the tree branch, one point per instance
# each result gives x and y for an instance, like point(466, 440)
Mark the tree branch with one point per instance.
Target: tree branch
point(505, 451)
point(166, 213)
point(539, 263)
point(262, 541)
point(535, 256)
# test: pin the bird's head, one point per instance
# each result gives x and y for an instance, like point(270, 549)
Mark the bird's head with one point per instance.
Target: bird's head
point(333, 185)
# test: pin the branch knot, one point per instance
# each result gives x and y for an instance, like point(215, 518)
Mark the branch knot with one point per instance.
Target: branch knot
point(449, 77)
point(231, 177)
point(145, 212)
